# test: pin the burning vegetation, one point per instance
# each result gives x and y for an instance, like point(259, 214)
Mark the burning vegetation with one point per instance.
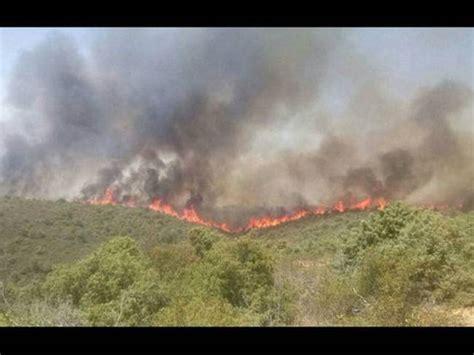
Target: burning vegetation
point(230, 128)
point(190, 214)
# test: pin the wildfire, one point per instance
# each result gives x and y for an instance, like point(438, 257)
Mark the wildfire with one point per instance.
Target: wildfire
point(266, 222)
point(381, 203)
point(319, 210)
point(363, 204)
point(190, 214)
point(109, 198)
point(339, 206)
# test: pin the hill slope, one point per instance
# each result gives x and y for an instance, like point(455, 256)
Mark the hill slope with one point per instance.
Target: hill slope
point(37, 234)
point(354, 268)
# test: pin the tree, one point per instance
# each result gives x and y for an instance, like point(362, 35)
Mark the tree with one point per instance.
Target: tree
point(399, 259)
point(115, 285)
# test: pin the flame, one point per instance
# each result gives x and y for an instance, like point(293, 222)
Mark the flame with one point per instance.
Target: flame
point(188, 214)
point(339, 206)
point(191, 215)
point(319, 210)
point(109, 198)
point(381, 203)
point(268, 221)
point(160, 206)
point(362, 205)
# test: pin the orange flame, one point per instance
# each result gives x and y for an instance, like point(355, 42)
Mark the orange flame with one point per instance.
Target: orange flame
point(268, 221)
point(108, 199)
point(362, 205)
point(188, 214)
point(191, 215)
point(339, 206)
point(381, 203)
point(319, 210)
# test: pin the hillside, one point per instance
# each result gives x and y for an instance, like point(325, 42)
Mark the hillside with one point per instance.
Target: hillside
point(315, 271)
point(37, 234)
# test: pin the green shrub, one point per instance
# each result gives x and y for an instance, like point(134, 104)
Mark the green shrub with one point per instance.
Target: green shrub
point(172, 259)
point(4, 320)
point(237, 271)
point(399, 259)
point(115, 285)
point(241, 273)
point(202, 239)
point(204, 312)
point(336, 301)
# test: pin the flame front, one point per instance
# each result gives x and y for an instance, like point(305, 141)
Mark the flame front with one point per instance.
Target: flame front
point(190, 214)
point(268, 221)
point(109, 198)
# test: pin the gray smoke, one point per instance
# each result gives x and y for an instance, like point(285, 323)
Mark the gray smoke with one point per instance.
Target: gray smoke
point(198, 117)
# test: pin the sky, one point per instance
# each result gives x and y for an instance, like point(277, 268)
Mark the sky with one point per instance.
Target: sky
point(410, 56)
point(407, 57)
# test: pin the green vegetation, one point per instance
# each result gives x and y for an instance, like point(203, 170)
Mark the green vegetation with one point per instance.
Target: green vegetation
point(35, 235)
point(115, 285)
point(69, 264)
point(399, 263)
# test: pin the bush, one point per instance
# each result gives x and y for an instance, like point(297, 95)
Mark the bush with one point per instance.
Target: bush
point(40, 313)
point(336, 301)
point(202, 240)
point(4, 320)
point(397, 260)
point(115, 285)
point(238, 272)
point(172, 259)
point(25, 307)
point(199, 312)
point(241, 273)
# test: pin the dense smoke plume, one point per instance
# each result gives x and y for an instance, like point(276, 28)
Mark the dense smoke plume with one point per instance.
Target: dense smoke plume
point(228, 119)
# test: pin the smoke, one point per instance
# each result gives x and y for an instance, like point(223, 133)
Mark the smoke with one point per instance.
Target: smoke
point(228, 119)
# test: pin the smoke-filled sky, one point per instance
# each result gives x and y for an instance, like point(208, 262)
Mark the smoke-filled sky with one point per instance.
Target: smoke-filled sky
point(238, 117)
point(408, 56)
